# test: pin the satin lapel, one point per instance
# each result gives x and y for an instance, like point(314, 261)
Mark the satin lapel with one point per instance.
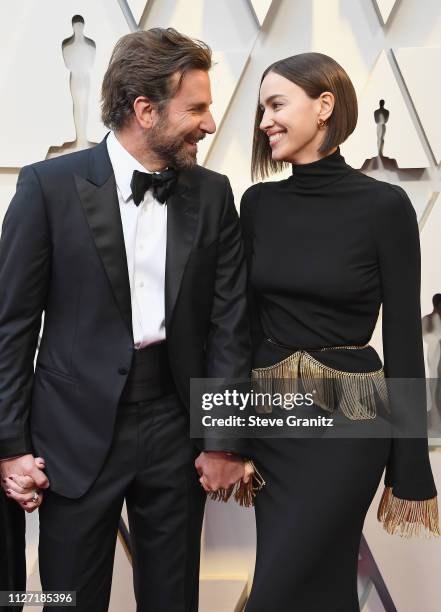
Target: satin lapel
point(182, 219)
point(100, 202)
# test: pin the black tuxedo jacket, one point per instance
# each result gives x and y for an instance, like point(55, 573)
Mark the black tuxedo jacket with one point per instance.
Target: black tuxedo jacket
point(62, 253)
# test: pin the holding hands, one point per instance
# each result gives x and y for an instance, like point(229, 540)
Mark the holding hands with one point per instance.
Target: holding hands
point(221, 474)
point(219, 470)
point(22, 479)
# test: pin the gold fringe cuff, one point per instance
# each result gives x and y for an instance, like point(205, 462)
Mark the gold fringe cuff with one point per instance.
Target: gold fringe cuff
point(408, 518)
point(244, 493)
point(352, 392)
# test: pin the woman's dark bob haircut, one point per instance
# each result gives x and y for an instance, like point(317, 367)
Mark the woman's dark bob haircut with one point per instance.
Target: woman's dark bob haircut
point(314, 73)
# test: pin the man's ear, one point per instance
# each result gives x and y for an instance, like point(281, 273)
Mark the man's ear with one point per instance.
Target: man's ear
point(144, 112)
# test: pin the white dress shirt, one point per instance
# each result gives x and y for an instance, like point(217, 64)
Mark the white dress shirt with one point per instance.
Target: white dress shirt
point(145, 238)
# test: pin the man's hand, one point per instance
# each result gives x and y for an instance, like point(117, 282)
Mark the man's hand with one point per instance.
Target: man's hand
point(21, 476)
point(219, 470)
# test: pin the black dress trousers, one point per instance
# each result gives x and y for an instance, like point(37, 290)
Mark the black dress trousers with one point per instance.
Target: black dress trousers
point(12, 548)
point(151, 465)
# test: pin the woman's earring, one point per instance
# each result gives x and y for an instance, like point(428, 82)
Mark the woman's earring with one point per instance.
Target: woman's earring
point(321, 123)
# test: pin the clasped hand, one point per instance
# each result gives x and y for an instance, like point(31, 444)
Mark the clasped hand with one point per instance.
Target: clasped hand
point(22, 476)
point(220, 470)
point(23, 480)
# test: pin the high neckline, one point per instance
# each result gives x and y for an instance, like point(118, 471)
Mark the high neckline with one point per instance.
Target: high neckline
point(321, 172)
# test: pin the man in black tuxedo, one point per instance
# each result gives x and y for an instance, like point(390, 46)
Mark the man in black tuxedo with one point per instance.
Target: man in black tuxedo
point(134, 254)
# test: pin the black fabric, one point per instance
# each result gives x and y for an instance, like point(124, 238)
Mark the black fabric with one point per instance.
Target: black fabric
point(12, 548)
point(150, 375)
point(326, 248)
point(162, 184)
point(150, 464)
point(309, 519)
point(62, 253)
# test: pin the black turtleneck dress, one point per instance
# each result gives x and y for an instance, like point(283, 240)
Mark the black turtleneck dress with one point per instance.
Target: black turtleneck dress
point(326, 248)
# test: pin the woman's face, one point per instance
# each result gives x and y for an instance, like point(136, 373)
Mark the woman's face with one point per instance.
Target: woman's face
point(290, 119)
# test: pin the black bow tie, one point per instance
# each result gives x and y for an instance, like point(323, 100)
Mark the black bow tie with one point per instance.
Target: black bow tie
point(162, 184)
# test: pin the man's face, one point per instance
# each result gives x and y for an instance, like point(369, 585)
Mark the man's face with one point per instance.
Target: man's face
point(185, 120)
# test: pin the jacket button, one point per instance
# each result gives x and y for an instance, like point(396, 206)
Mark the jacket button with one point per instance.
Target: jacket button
point(122, 371)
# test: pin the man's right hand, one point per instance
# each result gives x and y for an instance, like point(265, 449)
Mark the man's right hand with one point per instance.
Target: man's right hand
point(21, 476)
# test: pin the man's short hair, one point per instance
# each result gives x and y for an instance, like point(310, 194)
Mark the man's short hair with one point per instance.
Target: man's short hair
point(144, 64)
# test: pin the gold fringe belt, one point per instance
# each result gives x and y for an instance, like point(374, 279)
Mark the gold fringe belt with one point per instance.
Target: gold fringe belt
point(352, 392)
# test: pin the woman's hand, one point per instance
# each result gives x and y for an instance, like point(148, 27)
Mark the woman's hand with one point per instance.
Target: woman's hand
point(219, 470)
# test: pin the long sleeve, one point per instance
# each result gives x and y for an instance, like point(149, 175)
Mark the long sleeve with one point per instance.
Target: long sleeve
point(24, 274)
point(409, 501)
point(248, 205)
point(228, 346)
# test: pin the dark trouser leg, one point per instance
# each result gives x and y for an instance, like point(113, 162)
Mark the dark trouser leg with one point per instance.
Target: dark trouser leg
point(78, 536)
point(12, 547)
point(165, 506)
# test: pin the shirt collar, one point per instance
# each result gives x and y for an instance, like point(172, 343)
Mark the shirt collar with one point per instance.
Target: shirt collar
point(123, 165)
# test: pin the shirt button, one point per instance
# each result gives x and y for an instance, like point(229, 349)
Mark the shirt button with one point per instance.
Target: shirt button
point(123, 371)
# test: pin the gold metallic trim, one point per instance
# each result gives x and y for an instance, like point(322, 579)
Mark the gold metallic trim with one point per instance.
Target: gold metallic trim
point(352, 392)
point(408, 517)
point(244, 493)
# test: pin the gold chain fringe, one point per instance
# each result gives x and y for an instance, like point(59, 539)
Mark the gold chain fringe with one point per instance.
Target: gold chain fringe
point(244, 493)
point(352, 392)
point(408, 517)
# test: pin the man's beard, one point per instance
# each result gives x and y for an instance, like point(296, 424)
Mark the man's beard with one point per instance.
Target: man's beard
point(171, 150)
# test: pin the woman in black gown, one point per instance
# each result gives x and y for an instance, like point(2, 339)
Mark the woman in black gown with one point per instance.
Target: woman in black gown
point(325, 248)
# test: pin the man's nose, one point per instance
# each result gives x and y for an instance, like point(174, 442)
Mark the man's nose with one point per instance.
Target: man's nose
point(208, 125)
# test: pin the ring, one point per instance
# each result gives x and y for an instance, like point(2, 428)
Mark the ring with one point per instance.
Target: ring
point(34, 497)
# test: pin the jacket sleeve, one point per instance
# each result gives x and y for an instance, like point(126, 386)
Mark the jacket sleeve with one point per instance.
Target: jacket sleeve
point(409, 502)
point(248, 207)
point(228, 351)
point(24, 274)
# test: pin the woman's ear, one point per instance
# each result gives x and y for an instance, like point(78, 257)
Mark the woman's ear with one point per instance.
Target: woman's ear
point(327, 102)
